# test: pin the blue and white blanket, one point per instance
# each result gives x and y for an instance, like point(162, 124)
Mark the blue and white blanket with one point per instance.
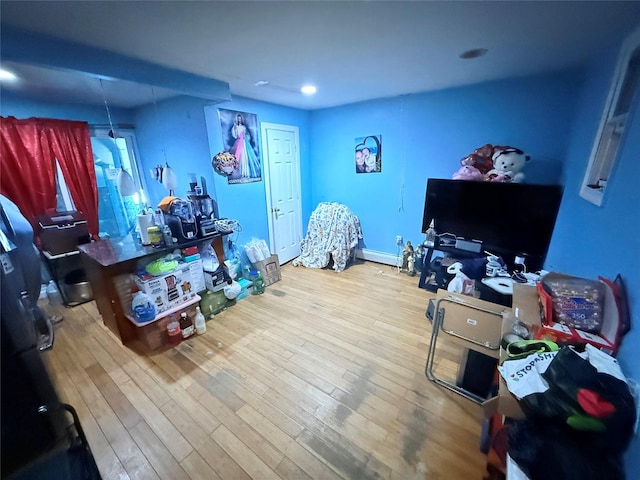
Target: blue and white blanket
point(333, 232)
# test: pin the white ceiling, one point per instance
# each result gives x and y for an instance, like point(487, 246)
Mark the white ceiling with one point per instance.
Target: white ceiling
point(352, 51)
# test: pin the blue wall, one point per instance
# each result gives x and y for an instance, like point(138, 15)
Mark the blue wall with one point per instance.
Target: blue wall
point(248, 202)
point(553, 117)
point(189, 130)
point(589, 241)
point(175, 127)
point(426, 135)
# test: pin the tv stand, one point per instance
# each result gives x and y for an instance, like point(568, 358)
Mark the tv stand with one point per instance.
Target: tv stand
point(426, 264)
point(442, 278)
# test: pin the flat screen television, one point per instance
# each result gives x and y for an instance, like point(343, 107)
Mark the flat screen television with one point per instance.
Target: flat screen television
point(508, 218)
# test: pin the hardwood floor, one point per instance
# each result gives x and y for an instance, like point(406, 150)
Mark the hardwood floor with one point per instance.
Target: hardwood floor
point(321, 377)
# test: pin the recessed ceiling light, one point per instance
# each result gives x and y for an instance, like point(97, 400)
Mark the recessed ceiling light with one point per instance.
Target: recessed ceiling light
point(7, 75)
point(474, 53)
point(308, 89)
point(261, 83)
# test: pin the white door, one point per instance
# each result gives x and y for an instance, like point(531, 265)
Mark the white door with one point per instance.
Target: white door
point(282, 183)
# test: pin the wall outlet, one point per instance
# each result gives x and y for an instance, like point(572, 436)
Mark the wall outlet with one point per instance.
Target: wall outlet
point(399, 240)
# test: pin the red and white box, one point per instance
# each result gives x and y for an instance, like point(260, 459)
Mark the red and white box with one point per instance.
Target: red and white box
point(608, 338)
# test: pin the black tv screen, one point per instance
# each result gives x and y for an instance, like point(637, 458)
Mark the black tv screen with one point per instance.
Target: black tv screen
point(509, 218)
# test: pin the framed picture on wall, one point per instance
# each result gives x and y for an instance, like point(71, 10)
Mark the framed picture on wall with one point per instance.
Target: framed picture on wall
point(240, 137)
point(368, 154)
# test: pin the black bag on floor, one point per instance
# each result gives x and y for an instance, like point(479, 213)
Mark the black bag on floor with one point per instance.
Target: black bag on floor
point(578, 428)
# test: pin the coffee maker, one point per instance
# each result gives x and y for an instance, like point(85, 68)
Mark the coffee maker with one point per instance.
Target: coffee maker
point(181, 220)
point(205, 207)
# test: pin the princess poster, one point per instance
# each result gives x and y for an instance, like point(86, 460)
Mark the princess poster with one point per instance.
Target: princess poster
point(240, 137)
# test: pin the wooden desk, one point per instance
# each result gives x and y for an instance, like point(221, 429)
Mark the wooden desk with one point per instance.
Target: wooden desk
point(105, 259)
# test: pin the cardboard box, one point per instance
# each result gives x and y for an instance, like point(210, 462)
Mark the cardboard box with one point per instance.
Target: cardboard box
point(197, 275)
point(526, 309)
point(214, 281)
point(169, 290)
point(270, 269)
point(608, 338)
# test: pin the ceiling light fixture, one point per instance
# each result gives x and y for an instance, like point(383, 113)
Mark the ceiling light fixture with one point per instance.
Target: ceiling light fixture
point(6, 75)
point(126, 185)
point(308, 89)
point(169, 179)
point(473, 53)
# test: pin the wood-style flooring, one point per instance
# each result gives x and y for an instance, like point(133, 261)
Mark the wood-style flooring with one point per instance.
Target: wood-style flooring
point(321, 377)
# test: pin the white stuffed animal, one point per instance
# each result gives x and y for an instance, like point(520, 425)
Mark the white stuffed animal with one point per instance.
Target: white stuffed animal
point(456, 285)
point(507, 166)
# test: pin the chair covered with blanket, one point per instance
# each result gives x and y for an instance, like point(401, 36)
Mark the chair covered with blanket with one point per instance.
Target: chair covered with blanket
point(333, 233)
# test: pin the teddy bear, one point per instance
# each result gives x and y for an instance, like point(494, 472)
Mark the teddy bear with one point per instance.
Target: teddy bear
point(507, 166)
point(482, 158)
point(468, 172)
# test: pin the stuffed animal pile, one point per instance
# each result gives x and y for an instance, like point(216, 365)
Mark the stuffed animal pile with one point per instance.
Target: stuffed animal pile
point(493, 163)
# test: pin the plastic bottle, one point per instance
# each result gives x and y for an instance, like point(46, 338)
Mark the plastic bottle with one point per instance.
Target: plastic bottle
point(155, 235)
point(142, 307)
point(174, 332)
point(186, 325)
point(55, 298)
point(258, 282)
point(430, 240)
point(158, 218)
point(201, 325)
point(167, 236)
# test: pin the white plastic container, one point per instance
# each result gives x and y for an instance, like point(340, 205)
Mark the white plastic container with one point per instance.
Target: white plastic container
point(55, 298)
point(142, 307)
point(201, 325)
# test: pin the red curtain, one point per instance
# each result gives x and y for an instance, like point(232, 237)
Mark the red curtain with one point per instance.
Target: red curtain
point(29, 149)
point(70, 143)
point(27, 170)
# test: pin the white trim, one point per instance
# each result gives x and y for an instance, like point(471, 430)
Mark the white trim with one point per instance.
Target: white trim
point(264, 126)
point(378, 257)
point(631, 43)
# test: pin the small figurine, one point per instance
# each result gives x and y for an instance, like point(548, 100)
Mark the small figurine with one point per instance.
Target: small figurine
point(419, 256)
point(411, 269)
point(408, 259)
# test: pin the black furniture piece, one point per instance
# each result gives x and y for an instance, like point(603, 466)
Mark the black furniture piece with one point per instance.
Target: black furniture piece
point(441, 279)
point(60, 233)
point(509, 219)
point(41, 437)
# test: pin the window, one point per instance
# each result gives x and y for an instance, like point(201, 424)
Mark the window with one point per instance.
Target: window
point(624, 88)
point(117, 214)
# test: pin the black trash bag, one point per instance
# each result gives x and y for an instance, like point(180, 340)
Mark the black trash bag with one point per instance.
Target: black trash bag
point(547, 450)
point(598, 406)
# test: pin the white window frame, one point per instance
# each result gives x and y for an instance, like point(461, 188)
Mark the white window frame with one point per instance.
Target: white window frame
point(132, 149)
point(611, 130)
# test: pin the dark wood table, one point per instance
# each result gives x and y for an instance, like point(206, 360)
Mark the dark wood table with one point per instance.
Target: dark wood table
point(105, 260)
